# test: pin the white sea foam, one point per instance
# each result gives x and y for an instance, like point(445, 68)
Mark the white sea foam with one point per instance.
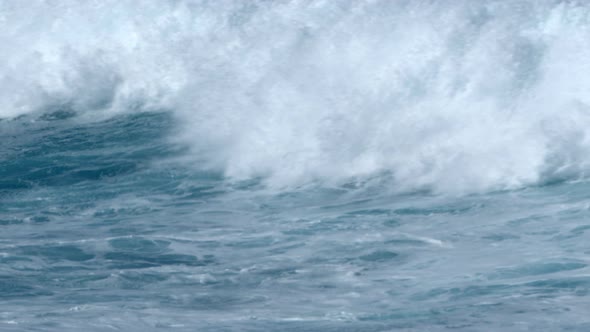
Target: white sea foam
point(459, 96)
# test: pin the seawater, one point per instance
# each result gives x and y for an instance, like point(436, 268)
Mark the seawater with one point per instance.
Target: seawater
point(294, 166)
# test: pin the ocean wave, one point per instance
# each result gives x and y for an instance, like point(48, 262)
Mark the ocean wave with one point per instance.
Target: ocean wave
point(449, 97)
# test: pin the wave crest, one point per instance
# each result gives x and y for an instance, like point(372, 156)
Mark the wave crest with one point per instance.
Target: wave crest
point(452, 97)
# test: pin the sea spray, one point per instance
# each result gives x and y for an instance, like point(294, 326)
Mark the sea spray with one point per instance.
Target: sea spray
point(450, 97)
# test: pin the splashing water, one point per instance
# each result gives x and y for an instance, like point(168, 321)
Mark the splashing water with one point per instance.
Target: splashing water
point(294, 165)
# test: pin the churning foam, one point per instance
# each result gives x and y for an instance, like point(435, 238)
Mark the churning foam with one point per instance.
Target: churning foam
point(459, 96)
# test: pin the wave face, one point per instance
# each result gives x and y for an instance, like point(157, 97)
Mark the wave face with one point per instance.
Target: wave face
point(462, 96)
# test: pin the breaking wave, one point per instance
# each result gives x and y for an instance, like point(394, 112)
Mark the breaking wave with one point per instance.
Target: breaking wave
point(462, 96)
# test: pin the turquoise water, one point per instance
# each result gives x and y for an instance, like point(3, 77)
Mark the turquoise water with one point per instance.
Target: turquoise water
point(294, 166)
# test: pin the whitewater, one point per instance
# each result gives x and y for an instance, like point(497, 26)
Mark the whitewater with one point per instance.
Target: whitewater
point(371, 165)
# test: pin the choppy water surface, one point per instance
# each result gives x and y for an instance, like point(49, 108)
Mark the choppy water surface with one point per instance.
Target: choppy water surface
point(294, 166)
point(98, 234)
